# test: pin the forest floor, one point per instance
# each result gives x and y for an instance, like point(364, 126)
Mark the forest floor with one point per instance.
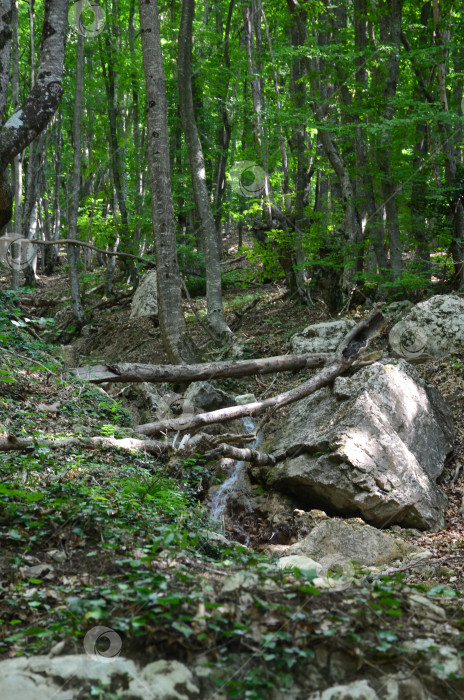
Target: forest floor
point(111, 537)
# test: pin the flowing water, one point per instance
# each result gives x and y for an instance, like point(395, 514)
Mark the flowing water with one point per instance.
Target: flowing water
point(237, 481)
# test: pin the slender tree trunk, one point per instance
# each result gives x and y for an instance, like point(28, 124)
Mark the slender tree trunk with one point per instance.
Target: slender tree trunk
point(172, 323)
point(352, 222)
point(40, 105)
point(385, 76)
point(224, 133)
point(107, 60)
point(30, 201)
point(18, 161)
point(216, 317)
point(6, 20)
point(51, 252)
point(73, 251)
point(374, 229)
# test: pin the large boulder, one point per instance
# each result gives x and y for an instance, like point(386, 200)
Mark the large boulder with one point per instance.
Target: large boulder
point(207, 397)
point(434, 327)
point(371, 445)
point(336, 545)
point(145, 300)
point(69, 677)
point(321, 337)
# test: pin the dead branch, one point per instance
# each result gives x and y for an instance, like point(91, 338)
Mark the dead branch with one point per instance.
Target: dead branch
point(12, 443)
point(72, 241)
point(100, 374)
point(349, 350)
point(243, 454)
point(238, 315)
point(234, 260)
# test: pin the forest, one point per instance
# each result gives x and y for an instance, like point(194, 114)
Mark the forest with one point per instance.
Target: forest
point(232, 347)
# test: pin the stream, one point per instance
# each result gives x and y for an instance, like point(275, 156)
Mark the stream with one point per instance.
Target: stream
point(237, 481)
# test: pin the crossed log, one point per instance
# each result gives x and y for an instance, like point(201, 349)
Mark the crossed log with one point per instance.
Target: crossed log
point(348, 352)
point(353, 345)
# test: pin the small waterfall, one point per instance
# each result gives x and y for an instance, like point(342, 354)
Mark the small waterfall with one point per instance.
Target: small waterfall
point(237, 481)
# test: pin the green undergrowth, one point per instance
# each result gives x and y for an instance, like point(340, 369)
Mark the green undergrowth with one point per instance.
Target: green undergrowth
point(118, 538)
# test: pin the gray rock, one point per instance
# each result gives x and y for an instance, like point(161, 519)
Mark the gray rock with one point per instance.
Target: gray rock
point(206, 397)
point(336, 544)
point(424, 608)
point(299, 561)
point(164, 680)
point(321, 337)
point(145, 300)
point(397, 308)
point(373, 445)
point(404, 687)
point(242, 399)
point(442, 660)
point(40, 571)
point(359, 690)
point(68, 677)
point(56, 555)
point(434, 327)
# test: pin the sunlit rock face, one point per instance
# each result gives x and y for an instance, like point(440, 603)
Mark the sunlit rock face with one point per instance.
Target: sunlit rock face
point(434, 327)
point(372, 445)
point(145, 300)
point(321, 337)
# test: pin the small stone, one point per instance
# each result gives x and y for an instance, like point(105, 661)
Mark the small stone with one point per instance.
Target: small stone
point(299, 562)
point(42, 571)
point(56, 555)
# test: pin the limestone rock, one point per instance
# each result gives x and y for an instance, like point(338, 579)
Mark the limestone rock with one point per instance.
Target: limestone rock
point(164, 680)
point(373, 445)
point(335, 545)
point(206, 397)
point(442, 660)
point(66, 677)
point(359, 690)
point(397, 309)
point(434, 327)
point(301, 562)
point(145, 300)
point(321, 337)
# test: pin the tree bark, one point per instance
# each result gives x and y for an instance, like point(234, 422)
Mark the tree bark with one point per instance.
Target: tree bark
point(5, 52)
point(100, 374)
point(73, 251)
point(177, 344)
point(215, 311)
point(352, 223)
point(39, 107)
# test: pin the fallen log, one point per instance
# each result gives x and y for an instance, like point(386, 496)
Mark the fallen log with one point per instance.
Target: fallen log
point(349, 350)
point(125, 372)
point(12, 443)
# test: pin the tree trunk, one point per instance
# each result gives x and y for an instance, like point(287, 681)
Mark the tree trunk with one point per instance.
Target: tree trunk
point(385, 76)
point(40, 105)
point(6, 17)
point(73, 251)
point(215, 311)
point(51, 252)
point(352, 223)
point(122, 372)
point(176, 342)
